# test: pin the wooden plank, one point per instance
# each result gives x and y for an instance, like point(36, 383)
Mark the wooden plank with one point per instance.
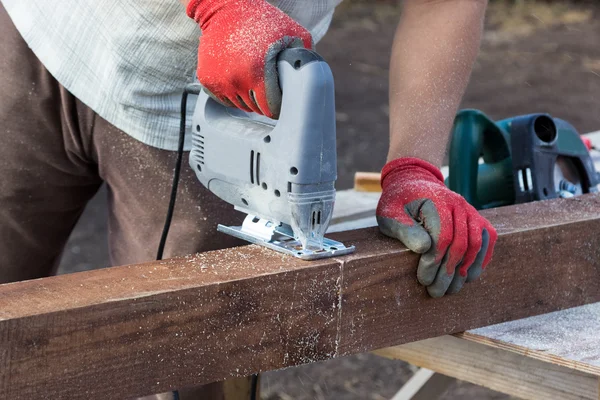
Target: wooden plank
point(370, 182)
point(352, 205)
point(367, 182)
point(353, 210)
point(570, 338)
point(352, 223)
point(147, 328)
point(503, 371)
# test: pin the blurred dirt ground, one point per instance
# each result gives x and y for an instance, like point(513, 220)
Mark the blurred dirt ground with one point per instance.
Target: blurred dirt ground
point(536, 56)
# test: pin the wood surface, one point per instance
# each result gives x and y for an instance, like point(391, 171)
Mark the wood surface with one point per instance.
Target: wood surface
point(370, 182)
point(570, 338)
point(503, 371)
point(367, 182)
point(134, 330)
point(350, 204)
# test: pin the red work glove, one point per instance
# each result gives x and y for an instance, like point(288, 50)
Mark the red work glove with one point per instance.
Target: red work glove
point(454, 240)
point(237, 57)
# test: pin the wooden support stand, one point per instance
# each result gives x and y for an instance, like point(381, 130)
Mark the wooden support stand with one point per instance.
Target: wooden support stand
point(510, 372)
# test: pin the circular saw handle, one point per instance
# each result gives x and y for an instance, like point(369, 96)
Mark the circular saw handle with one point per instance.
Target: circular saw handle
point(475, 135)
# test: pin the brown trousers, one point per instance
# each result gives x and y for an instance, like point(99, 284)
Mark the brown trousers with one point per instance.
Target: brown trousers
point(55, 152)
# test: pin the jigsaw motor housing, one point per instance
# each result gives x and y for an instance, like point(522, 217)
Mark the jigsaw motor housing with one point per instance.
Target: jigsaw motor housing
point(283, 170)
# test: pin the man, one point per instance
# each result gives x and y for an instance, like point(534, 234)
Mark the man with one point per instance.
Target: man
point(91, 94)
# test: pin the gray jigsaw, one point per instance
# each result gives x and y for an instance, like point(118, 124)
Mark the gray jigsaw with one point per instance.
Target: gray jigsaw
point(281, 173)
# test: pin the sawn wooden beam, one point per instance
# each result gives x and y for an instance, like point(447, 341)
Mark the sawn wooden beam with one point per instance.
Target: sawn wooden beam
point(134, 330)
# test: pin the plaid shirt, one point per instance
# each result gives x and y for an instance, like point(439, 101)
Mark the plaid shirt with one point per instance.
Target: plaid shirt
point(130, 60)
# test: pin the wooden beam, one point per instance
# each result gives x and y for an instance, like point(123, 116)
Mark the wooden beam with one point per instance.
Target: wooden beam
point(504, 371)
point(134, 330)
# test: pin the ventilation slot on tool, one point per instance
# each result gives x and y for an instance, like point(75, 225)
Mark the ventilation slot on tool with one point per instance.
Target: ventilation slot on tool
point(198, 143)
point(316, 218)
point(525, 180)
point(258, 168)
point(255, 168)
point(252, 166)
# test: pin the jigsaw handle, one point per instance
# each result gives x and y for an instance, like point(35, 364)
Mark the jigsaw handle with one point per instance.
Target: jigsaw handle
point(308, 106)
point(306, 123)
point(301, 100)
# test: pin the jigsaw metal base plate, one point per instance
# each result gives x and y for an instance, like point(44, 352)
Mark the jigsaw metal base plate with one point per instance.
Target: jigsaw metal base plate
point(280, 238)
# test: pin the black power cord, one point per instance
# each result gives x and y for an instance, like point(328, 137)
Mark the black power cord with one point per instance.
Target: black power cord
point(254, 387)
point(189, 89)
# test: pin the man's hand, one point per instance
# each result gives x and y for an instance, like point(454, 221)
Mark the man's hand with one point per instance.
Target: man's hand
point(238, 51)
point(454, 240)
point(433, 53)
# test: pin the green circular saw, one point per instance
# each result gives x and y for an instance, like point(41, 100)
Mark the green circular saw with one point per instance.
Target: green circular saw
point(517, 160)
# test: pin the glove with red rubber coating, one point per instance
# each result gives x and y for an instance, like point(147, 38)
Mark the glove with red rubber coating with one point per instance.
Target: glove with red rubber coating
point(237, 56)
point(454, 240)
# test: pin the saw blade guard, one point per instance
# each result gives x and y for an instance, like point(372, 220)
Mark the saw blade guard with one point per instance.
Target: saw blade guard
point(281, 170)
point(311, 213)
